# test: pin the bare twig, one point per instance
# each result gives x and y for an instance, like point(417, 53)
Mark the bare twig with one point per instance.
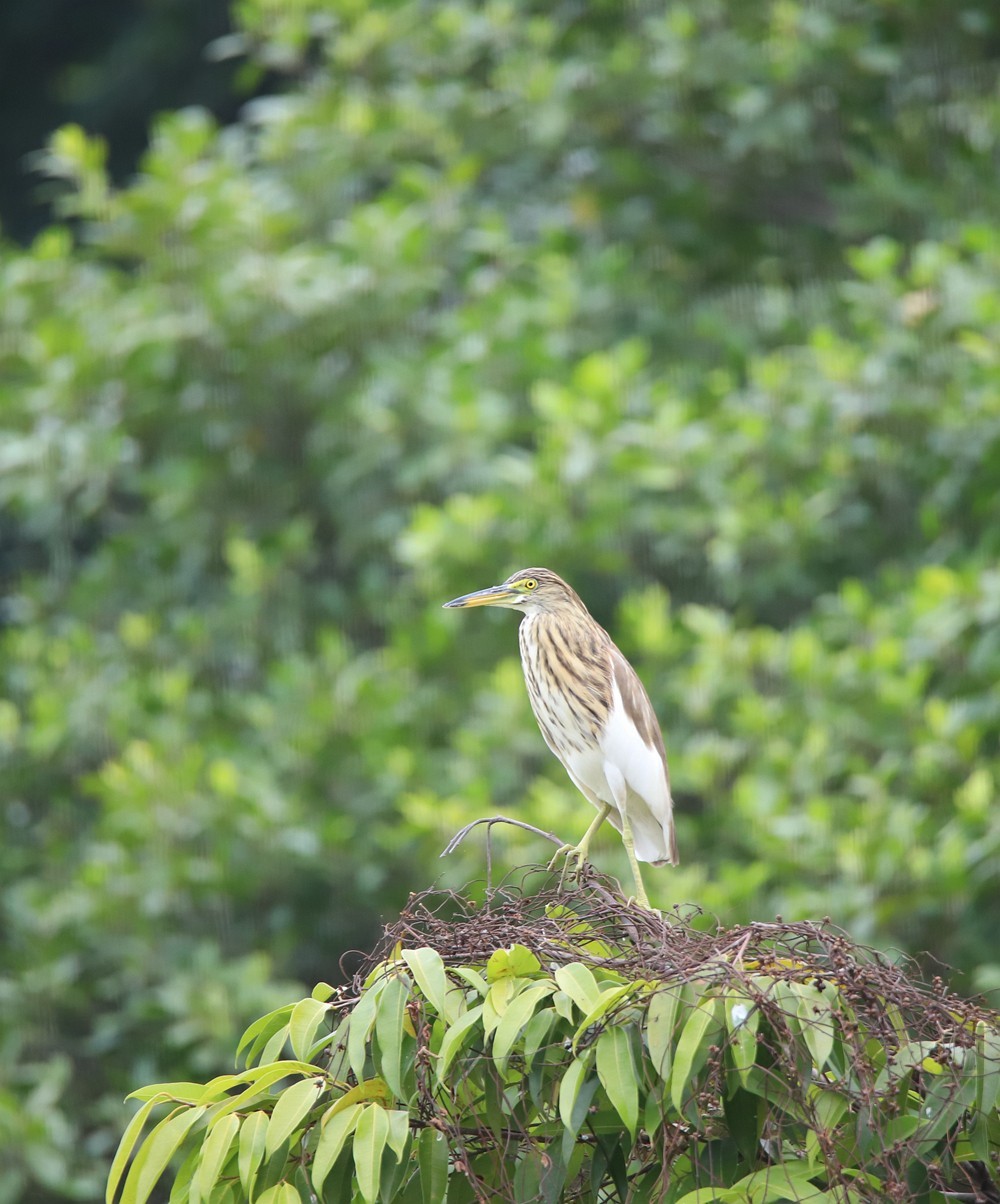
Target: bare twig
point(457, 839)
point(459, 836)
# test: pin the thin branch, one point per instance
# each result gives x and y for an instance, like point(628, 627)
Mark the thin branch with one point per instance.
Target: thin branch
point(457, 839)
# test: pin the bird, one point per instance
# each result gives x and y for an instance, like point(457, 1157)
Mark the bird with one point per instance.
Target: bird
point(594, 714)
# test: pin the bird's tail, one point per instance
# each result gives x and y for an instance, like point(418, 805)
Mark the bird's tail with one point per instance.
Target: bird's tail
point(672, 857)
point(655, 839)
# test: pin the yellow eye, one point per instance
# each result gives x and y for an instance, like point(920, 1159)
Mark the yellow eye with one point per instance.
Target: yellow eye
point(530, 583)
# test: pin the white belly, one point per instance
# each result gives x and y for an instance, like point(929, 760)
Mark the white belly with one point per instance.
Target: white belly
point(646, 797)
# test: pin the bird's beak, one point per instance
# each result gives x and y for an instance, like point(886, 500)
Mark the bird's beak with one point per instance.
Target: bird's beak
point(496, 595)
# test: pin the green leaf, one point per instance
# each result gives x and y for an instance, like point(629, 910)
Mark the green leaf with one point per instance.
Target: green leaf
point(900, 1128)
point(293, 1105)
point(127, 1144)
point(742, 1023)
point(988, 1050)
point(830, 1107)
point(609, 1160)
point(428, 972)
point(281, 1193)
point(605, 1001)
point(814, 1010)
point(579, 984)
point(661, 1017)
point(339, 1185)
point(218, 1088)
point(253, 1134)
point(306, 1017)
point(260, 1080)
point(745, 1115)
point(500, 994)
point(360, 1028)
point(493, 1105)
point(839, 1195)
point(214, 1154)
point(456, 1037)
point(260, 1074)
point(517, 1015)
point(257, 1036)
point(523, 963)
point(906, 1057)
point(944, 1102)
point(323, 991)
point(156, 1152)
point(180, 1188)
point(334, 1131)
point(274, 1047)
point(370, 1137)
point(371, 1090)
point(692, 1048)
point(498, 965)
point(563, 1005)
point(537, 1031)
point(476, 981)
point(516, 962)
point(979, 1137)
point(389, 1017)
point(338, 1061)
point(569, 1091)
point(918, 1183)
point(183, 1093)
point(556, 1161)
point(398, 1180)
point(528, 1174)
point(790, 1180)
point(617, 1073)
point(399, 1131)
point(432, 1158)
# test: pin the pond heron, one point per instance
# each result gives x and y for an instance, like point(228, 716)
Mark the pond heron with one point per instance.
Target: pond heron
point(594, 714)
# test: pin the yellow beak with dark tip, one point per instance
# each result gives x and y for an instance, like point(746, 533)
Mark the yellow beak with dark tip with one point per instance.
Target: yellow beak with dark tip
point(496, 595)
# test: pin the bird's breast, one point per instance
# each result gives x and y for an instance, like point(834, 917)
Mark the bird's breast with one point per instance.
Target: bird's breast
point(569, 693)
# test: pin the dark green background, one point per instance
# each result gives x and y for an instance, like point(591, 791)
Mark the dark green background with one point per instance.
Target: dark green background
point(109, 65)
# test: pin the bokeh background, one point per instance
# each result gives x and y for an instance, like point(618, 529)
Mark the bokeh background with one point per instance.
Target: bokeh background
point(327, 311)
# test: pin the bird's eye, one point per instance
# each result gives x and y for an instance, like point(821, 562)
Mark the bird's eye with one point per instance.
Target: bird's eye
point(530, 583)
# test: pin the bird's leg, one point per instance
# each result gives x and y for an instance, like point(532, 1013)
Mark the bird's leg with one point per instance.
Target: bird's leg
point(627, 840)
point(619, 789)
point(578, 852)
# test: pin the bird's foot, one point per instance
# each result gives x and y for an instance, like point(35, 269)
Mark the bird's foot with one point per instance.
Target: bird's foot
point(568, 853)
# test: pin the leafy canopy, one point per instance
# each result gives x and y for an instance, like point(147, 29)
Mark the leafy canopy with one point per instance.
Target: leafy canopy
point(767, 1063)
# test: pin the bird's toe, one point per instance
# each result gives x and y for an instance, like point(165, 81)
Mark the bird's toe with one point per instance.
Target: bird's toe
point(563, 851)
point(573, 858)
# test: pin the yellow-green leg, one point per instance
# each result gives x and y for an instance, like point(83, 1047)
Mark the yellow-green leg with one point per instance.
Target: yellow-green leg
point(619, 789)
point(628, 842)
point(578, 852)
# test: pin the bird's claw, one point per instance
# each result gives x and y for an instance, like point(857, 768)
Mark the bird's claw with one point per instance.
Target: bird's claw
point(568, 853)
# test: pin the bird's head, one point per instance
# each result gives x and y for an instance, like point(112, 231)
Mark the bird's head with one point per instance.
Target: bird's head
point(533, 591)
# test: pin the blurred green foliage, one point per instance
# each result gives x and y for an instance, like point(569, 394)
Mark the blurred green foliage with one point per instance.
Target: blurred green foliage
point(109, 65)
point(698, 306)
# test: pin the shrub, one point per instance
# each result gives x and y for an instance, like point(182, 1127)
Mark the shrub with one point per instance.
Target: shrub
point(571, 1047)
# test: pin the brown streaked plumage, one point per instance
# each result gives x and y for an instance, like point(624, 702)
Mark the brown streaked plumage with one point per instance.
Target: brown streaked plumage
point(593, 713)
